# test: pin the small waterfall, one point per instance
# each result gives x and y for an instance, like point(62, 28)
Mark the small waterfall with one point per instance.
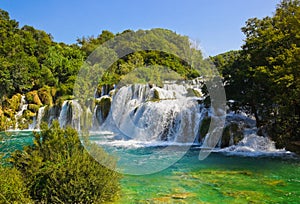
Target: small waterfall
point(22, 108)
point(53, 114)
point(40, 116)
point(76, 114)
point(33, 124)
point(254, 142)
point(63, 116)
point(70, 114)
point(101, 111)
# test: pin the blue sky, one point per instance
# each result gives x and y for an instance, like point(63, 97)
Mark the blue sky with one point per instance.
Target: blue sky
point(215, 24)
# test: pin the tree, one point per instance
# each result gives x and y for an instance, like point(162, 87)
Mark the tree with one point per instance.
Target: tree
point(266, 74)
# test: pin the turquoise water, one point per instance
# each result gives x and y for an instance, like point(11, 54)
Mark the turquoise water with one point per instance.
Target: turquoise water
point(220, 178)
point(14, 140)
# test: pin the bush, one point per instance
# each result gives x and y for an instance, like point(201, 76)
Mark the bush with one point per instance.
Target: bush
point(58, 169)
point(12, 188)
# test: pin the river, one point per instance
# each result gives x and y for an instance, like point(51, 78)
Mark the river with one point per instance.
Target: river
point(223, 177)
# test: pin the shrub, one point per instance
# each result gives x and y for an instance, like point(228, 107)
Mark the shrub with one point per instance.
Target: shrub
point(12, 188)
point(58, 169)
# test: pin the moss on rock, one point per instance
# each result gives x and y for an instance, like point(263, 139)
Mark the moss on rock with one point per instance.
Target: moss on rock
point(28, 114)
point(232, 134)
point(33, 98)
point(193, 93)
point(226, 137)
point(15, 102)
point(155, 95)
point(33, 108)
point(204, 127)
point(104, 105)
point(61, 100)
point(45, 96)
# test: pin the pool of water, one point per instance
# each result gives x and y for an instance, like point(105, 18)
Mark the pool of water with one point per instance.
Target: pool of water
point(220, 178)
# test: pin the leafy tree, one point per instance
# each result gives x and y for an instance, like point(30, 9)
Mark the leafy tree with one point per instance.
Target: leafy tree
point(89, 44)
point(264, 78)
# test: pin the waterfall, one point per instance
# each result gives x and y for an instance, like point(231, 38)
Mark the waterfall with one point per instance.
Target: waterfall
point(22, 108)
point(33, 124)
point(53, 113)
point(155, 114)
point(63, 115)
point(76, 114)
point(40, 116)
point(170, 114)
point(70, 114)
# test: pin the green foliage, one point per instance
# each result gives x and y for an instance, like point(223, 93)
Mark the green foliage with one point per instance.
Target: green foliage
point(31, 62)
point(13, 188)
point(33, 108)
point(263, 79)
point(58, 169)
point(14, 102)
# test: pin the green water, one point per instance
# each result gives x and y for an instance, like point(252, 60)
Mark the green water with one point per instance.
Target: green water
point(217, 179)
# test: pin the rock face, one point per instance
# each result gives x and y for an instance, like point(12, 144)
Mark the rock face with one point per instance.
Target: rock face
point(101, 110)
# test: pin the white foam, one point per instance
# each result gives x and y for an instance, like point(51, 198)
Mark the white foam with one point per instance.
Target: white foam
point(254, 145)
point(132, 144)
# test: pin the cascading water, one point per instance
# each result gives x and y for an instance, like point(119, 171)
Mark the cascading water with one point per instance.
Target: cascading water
point(155, 114)
point(254, 145)
point(139, 115)
point(70, 114)
point(23, 107)
point(63, 116)
point(40, 115)
point(35, 125)
point(172, 114)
